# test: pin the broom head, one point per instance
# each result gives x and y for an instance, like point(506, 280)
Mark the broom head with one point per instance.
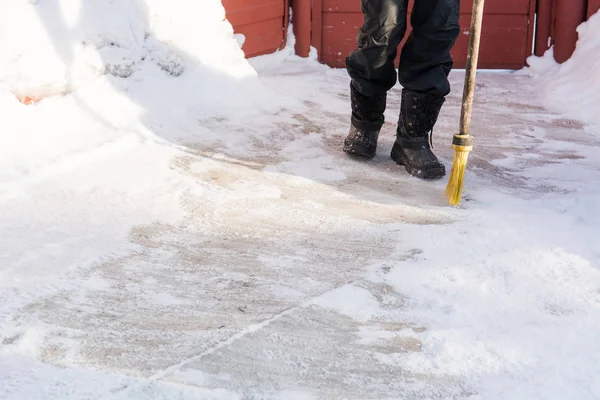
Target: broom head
point(462, 145)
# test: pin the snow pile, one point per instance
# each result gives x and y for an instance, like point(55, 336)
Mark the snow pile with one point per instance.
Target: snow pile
point(49, 46)
point(574, 86)
point(115, 71)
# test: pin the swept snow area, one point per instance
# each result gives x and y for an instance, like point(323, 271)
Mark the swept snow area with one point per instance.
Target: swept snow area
point(179, 223)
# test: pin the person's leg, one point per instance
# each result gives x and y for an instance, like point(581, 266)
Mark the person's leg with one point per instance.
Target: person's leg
point(371, 65)
point(372, 72)
point(425, 63)
point(425, 58)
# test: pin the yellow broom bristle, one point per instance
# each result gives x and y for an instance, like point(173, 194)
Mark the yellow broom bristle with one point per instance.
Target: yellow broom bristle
point(457, 174)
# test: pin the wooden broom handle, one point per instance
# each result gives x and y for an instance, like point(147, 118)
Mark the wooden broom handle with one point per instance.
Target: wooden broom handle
point(471, 68)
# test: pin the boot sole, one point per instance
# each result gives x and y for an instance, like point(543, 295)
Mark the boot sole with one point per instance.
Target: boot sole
point(430, 174)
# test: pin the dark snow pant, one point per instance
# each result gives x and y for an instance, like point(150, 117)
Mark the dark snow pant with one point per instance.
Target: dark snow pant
point(425, 60)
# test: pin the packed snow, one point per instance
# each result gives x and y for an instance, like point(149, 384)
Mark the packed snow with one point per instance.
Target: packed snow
point(180, 222)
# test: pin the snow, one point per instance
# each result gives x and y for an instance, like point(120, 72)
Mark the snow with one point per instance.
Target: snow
point(516, 308)
point(179, 222)
point(573, 87)
point(354, 302)
point(77, 42)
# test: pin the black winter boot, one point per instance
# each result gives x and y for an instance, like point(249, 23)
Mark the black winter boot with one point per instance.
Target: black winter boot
point(412, 149)
point(366, 122)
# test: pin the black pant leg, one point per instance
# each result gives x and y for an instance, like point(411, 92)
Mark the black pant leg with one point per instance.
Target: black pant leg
point(425, 61)
point(371, 65)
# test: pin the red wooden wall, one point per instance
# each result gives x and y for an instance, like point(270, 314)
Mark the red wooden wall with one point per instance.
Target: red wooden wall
point(331, 26)
point(593, 7)
point(262, 22)
point(506, 38)
point(557, 25)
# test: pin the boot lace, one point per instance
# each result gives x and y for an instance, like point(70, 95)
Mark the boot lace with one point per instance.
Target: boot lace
point(424, 116)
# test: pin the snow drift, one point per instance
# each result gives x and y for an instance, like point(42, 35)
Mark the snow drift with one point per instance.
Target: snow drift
point(52, 46)
point(574, 86)
point(108, 71)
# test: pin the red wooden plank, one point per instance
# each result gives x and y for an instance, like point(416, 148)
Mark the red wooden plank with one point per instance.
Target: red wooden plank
point(504, 40)
point(529, 20)
point(543, 32)
point(286, 23)
point(262, 22)
point(569, 15)
point(244, 12)
point(301, 9)
point(316, 38)
point(466, 6)
point(339, 37)
point(262, 37)
point(593, 7)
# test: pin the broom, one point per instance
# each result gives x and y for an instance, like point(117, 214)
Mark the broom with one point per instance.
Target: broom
point(462, 143)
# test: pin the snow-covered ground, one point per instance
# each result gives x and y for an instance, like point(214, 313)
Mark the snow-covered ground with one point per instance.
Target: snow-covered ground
point(179, 223)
